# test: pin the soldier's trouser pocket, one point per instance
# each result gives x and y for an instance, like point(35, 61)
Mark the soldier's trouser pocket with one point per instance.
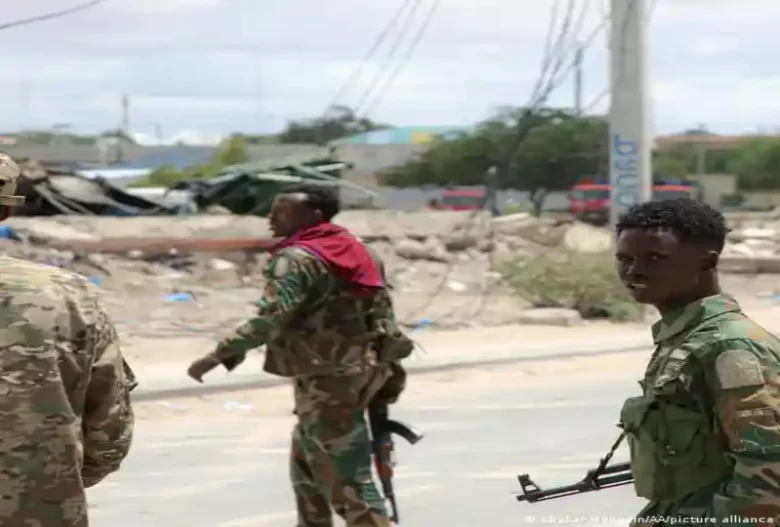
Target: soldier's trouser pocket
point(673, 450)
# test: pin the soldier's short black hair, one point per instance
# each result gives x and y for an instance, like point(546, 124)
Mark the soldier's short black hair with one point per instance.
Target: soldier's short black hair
point(689, 219)
point(324, 198)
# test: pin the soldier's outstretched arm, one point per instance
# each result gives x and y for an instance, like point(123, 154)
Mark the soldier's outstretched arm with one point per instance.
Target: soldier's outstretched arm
point(108, 419)
point(289, 277)
point(743, 375)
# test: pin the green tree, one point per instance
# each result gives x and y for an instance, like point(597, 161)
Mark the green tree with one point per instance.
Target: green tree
point(233, 151)
point(757, 164)
point(337, 122)
point(671, 164)
point(669, 161)
point(558, 149)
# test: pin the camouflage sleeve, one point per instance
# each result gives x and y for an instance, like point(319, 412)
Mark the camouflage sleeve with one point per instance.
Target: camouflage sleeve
point(380, 263)
point(108, 414)
point(743, 377)
point(289, 278)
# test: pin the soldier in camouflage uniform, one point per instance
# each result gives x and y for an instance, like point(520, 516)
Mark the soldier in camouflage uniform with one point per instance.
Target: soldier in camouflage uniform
point(327, 321)
point(65, 411)
point(704, 437)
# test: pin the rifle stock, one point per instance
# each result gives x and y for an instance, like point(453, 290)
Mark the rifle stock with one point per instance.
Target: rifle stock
point(382, 446)
point(604, 476)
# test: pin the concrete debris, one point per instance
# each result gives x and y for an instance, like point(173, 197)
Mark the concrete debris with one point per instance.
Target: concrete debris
point(550, 316)
point(51, 190)
point(584, 238)
point(443, 265)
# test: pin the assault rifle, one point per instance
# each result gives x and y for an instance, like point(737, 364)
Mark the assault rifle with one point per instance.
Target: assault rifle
point(382, 430)
point(602, 477)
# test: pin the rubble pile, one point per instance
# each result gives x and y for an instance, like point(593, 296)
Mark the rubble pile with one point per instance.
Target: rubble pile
point(443, 265)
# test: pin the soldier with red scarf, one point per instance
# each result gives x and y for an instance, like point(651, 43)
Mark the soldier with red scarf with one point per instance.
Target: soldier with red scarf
point(327, 321)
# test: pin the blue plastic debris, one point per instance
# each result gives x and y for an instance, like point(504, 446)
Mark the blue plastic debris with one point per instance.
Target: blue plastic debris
point(423, 323)
point(178, 297)
point(96, 280)
point(8, 233)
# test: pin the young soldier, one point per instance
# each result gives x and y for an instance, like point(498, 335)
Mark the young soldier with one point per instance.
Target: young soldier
point(327, 321)
point(65, 410)
point(705, 435)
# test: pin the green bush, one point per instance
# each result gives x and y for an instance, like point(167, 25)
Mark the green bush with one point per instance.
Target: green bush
point(586, 282)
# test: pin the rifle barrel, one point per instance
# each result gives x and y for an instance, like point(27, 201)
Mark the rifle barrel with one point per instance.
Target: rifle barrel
point(617, 475)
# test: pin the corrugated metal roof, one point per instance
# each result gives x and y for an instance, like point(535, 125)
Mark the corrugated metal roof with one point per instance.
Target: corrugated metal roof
point(180, 157)
point(403, 135)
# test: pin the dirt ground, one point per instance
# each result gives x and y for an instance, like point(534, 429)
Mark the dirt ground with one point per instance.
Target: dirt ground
point(159, 331)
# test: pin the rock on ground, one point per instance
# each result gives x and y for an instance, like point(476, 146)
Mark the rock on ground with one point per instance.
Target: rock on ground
point(443, 268)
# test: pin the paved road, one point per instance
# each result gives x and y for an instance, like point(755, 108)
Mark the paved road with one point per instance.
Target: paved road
point(218, 467)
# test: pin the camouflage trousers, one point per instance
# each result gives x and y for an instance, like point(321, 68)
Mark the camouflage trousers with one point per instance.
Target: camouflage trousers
point(330, 461)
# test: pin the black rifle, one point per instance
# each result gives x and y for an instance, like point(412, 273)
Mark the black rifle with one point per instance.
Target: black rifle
point(602, 477)
point(382, 430)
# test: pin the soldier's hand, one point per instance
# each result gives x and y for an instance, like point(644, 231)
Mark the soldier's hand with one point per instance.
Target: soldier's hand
point(201, 367)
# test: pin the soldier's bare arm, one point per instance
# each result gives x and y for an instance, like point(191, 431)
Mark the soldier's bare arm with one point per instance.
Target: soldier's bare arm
point(744, 376)
point(289, 278)
point(108, 420)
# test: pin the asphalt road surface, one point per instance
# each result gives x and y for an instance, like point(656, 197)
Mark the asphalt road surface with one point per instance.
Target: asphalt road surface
point(222, 462)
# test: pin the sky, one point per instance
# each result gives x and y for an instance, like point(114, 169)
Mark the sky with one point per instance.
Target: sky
point(200, 69)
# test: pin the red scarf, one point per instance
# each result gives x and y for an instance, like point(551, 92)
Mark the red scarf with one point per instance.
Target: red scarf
point(344, 254)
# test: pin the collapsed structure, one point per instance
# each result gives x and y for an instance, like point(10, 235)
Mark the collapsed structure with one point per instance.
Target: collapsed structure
point(247, 189)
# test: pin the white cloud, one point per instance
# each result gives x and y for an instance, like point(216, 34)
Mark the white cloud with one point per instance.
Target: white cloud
point(207, 67)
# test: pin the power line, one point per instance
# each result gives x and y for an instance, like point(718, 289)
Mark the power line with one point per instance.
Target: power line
point(623, 28)
point(371, 90)
point(371, 52)
point(429, 16)
point(551, 69)
point(52, 15)
point(523, 128)
point(525, 123)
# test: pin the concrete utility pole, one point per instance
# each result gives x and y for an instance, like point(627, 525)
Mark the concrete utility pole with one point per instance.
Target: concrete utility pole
point(124, 129)
point(630, 170)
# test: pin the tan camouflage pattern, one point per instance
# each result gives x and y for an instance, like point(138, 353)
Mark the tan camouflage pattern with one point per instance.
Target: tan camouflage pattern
point(9, 175)
point(65, 410)
point(330, 343)
point(712, 355)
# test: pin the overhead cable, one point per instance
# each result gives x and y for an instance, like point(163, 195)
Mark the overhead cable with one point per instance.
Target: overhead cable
point(52, 15)
point(383, 34)
point(390, 79)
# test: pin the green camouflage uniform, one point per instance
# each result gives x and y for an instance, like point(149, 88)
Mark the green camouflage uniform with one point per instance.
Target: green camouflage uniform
point(705, 436)
point(65, 412)
point(330, 343)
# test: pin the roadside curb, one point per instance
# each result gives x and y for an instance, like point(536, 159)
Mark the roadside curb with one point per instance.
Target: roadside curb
point(200, 390)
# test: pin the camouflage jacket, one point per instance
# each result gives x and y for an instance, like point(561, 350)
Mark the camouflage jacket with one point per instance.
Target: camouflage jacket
point(64, 395)
point(310, 323)
point(715, 367)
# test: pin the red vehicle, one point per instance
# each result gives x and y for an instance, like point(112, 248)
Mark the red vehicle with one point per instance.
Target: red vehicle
point(590, 201)
point(459, 200)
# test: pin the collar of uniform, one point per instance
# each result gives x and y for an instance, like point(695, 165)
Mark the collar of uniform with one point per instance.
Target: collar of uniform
point(692, 314)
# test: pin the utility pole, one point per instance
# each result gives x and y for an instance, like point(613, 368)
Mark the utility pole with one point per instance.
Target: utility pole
point(124, 129)
point(578, 81)
point(630, 141)
point(125, 126)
